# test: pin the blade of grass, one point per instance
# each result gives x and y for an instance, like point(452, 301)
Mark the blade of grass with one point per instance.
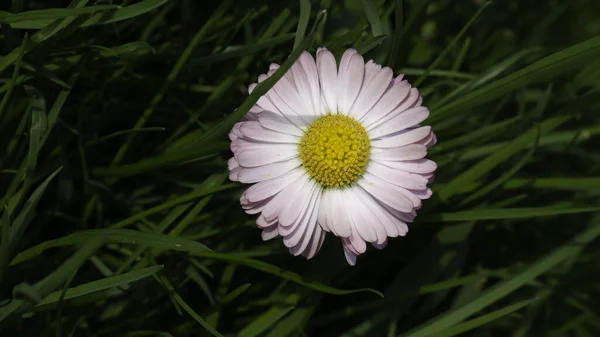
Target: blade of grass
point(302, 22)
point(116, 15)
point(123, 236)
point(541, 266)
point(451, 45)
point(377, 28)
point(508, 213)
point(482, 320)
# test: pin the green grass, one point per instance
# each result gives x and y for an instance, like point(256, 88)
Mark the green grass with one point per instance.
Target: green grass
point(117, 217)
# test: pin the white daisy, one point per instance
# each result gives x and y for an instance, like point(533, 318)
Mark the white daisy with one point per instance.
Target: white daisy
point(335, 150)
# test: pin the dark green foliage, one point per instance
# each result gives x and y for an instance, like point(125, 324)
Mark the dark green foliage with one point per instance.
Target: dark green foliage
point(117, 217)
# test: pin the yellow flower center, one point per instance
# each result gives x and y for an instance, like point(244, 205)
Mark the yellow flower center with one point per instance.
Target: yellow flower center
point(335, 150)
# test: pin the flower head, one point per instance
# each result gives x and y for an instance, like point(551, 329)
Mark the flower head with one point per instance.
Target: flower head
point(334, 149)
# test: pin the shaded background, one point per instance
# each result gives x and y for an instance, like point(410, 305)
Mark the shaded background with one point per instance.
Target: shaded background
point(126, 102)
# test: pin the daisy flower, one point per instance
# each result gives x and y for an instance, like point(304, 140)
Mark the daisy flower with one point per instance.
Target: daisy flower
point(334, 149)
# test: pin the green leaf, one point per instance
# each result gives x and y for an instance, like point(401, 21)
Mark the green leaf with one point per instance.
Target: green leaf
point(568, 184)
point(541, 266)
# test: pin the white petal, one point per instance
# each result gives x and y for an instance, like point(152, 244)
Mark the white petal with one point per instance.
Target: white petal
point(390, 100)
point(350, 82)
point(235, 131)
point(255, 157)
point(384, 194)
point(279, 123)
point(328, 78)
point(315, 243)
point(254, 130)
point(380, 212)
point(269, 188)
point(407, 137)
point(261, 222)
point(413, 166)
point(372, 93)
point(338, 219)
point(269, 233)
point(301, 236)
point(288, 92)
point(397, 177)
point(407, 152)
point(405, 120)
point(408, 103)
point(255, 174)
point(296, 208)
point(324, 210)
point(350, 258)
point(360, 216)
point(273, 209)
point(306, 79)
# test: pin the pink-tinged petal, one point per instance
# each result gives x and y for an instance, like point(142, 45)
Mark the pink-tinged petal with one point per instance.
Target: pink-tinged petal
point(408, 103)
point(371, 68)
point(261, 222)
point(279, 123)
point(398, 79)
point(360, 216)
point(232, 163)
point(235, 132)
point(315, 244)
point(273, 209)
point(295, 210)
point(372, 93)
point(338, 219)
point(395, 188)
point(423, 194)
point(290, 96)
point(406, 152)
point(269, 233)
point(269, 188)
point(405, 120)
point(274, 66)
point(254, 130)
point(382, 215)
point(421, 166)
point(390, 101)
point(324, 209)
point(328, 78)
point(355, 244)
point(255, 157)
point(384, 194)
point(350, 257)
point(251, 87)
point(428, 141)
point(404, 138)
point(350, 82)
point(256, 174)
point(380, 245)
point(280, 105)
point(233, 174)
point(307, 81)
point(253, 207)
point(397, 177)
point(301, 236)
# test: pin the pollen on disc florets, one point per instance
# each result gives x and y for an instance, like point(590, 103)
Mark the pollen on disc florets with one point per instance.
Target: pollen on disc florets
point(335, 150)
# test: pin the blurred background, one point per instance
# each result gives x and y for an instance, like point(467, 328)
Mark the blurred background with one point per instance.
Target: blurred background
point(117, 217)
